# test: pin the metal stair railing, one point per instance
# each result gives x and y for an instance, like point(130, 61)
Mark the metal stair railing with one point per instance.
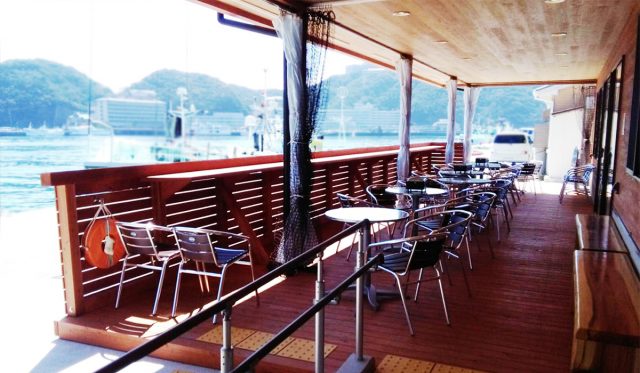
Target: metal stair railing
point(225, 305)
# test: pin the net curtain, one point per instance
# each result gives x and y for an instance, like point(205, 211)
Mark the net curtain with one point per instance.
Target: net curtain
point(305, 67)
point(452, 88)
point(471, 95)
point(403, 66)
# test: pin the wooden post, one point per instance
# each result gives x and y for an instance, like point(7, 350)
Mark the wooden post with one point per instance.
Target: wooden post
point(261, 254)
point(70, 248)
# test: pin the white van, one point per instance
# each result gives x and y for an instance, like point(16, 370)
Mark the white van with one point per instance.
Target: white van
point(512, 147)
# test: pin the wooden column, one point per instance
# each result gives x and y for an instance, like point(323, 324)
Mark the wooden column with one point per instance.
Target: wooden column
point(70, 249)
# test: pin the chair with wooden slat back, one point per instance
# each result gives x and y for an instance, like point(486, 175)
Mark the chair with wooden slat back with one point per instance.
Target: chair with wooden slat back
point(214, 248)
point(144, 240)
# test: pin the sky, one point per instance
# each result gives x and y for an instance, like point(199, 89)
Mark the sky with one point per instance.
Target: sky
point(119, 42)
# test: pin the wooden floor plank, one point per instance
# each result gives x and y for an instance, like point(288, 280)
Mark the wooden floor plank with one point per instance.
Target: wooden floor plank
point(519, 317)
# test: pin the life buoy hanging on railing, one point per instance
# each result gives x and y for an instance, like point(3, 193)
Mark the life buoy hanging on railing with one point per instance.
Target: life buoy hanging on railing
point(102, 245)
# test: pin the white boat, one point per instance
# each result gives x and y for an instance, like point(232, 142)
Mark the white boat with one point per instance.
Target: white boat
point(79, 130)
point(12, 131)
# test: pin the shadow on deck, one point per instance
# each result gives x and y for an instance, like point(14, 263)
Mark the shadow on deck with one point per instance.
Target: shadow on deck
point(519, 317)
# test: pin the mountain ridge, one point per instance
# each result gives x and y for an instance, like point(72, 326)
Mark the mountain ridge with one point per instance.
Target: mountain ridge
point(36, 92)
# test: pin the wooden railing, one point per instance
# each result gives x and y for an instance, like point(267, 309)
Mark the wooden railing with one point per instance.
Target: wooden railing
point(243, 195)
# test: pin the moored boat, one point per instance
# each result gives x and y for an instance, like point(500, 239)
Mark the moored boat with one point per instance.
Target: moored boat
point(12, 131)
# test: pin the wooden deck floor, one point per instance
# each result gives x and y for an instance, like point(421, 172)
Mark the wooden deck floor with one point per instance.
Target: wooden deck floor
point(519, 317)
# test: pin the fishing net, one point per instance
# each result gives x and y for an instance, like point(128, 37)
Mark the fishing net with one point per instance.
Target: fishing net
point(315, 26)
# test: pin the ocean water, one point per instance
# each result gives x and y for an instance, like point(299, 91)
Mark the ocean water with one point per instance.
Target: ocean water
point(23, 159)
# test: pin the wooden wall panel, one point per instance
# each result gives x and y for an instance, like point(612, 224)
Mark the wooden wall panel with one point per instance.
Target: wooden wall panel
point(249, 201)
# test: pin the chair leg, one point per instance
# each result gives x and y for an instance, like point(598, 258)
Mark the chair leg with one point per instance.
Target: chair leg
point(446, 270)
point(464, 276)
point(222, 273)
point(586, 190)
point(466, 239)
point(562, 191)
point(177, 292)
point(444, 301)
point(497, 224)
point(253, 278)
point(493, 255)
point(506, 218)
point(404, 303)
point(507, 205)
point(124, 267)
point(159, 290)
point(353, 242)
point(418, 283)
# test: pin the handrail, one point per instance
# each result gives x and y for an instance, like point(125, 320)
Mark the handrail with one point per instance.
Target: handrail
point(263, 351)
point(225, 302)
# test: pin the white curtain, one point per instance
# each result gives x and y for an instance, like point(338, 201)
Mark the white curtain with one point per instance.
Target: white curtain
point(289, 29)
point(471, 95)
point(403, 66)
point(452, 88)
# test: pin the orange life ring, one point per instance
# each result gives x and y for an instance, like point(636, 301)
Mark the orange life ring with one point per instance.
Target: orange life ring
point(102, 244)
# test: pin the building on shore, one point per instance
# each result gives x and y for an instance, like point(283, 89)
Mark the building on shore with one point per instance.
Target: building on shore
point(139, 113)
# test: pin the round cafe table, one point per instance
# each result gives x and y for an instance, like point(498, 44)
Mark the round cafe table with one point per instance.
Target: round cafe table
point(467, 174)
point(416, 193)
point(374, 214)
point(461, 181)
point(354, 215)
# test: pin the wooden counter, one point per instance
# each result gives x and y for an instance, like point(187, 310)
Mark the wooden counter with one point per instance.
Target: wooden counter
point(597, 232)
point(607, 313)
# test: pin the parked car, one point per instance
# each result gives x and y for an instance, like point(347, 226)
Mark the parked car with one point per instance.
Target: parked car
point(512, 147)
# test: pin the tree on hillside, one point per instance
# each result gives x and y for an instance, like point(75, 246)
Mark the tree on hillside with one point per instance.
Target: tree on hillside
point(43, 92)
point(204, 92)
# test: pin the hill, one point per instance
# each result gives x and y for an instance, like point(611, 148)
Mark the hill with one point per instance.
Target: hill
point(43, 92)
point(380, 88)
point(204, 92)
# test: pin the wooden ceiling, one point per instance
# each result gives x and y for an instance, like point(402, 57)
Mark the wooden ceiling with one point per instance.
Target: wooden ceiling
point(481, 42)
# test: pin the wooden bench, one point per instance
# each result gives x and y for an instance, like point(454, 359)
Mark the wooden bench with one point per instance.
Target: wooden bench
point(596, 232)
point(607, 301)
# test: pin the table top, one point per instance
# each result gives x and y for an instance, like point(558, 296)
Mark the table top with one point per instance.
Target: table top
point(416, 192)
point(374, 214)
point(451, 173)
point(453, 180)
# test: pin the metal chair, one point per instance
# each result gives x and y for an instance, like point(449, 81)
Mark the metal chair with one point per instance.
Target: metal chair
point(527, 176)
point(380, 197)
point(144, 240)
point(501, 188)
point(347, 201)
point(205, 246)
point(413, 253)
point(455, 223)
point(578, 176)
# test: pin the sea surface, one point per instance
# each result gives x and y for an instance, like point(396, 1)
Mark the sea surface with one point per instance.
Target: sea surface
point(24, 159)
